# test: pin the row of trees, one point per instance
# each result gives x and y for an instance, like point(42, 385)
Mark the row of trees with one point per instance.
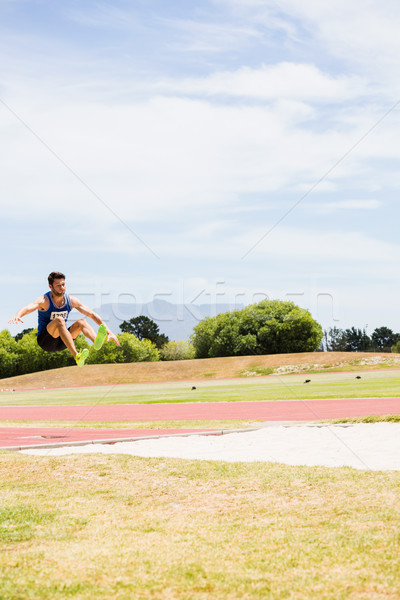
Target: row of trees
point(269, 327)
point(382, 339)
point(21, 356)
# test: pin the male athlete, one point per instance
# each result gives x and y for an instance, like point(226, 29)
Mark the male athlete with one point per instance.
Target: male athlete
point(53, 310)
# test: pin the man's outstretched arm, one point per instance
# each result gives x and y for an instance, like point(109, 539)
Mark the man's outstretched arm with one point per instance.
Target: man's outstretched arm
point(88, 312)
point(26, 310)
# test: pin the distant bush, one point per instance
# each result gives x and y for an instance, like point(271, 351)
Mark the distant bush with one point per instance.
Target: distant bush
point(8, 363)
point(8, 354)
point(269, 327)
point(179, 350)
point(131, 350)
point(135, 350)
point(396, 347)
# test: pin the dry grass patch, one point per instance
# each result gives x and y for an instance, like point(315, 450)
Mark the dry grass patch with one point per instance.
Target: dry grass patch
point(127, 527)
point(197, 369)
point(369, 419)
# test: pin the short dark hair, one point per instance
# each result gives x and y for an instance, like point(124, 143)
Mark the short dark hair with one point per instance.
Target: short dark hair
point(55, 275)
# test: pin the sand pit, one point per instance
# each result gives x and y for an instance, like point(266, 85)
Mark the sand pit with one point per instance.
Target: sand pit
point(362, 446)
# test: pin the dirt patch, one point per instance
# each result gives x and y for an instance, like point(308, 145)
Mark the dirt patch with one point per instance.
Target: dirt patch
point(186, 370)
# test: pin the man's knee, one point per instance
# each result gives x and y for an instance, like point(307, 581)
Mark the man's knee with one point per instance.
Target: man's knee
point(80, 323)
point(78, 326)
point(59, 323)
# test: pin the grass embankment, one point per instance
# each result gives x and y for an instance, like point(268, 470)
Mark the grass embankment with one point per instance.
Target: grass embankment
point(123, 527)
point(210, 368)
point(275, 387)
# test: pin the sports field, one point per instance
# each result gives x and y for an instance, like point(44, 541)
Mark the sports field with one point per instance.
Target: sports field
point(108, 526)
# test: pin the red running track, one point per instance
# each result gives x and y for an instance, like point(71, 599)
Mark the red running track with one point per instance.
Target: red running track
point(288, 410)
point(16, 438)
point(295, 410)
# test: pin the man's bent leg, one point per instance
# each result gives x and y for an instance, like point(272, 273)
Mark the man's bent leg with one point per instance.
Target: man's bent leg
point(82, 326)
point(58, 328)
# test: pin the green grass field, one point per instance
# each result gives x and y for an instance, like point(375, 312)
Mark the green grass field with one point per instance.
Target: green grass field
point(322, 386)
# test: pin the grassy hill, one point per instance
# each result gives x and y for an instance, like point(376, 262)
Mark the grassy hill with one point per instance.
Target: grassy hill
point(210, 368)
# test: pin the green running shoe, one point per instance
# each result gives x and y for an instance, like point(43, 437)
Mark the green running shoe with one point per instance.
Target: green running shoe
point(100, 337)
point(81, 357)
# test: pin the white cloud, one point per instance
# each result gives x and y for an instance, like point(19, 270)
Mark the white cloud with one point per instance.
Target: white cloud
point(103, 16)
point(299, 82)
point(167, 156)
point(239, 247)
point(206, 34)
point(209, 36)
point(327, 207)
point(363, 35)
point(318, 246)
point(358, 31)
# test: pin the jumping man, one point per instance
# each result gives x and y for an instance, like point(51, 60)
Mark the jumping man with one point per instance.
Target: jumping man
point(53, 310)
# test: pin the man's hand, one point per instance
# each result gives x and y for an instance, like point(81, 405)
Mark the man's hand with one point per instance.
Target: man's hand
point(112, 336)
point(15, 320)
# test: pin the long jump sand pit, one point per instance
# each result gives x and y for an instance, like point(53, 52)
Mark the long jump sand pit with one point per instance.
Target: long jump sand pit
point(361, 446)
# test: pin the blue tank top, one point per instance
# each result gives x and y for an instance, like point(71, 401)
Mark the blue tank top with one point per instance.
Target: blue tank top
point(45, 316)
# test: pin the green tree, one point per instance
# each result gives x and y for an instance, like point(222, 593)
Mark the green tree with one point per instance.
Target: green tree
point(109, 353)
point(203, 335)
point(131, 350)
point(8, 363)
point(269, 327)
point(144, 329)
point(356, 340)
point(32, 358)
point(21, 334)
point(177, 350)
point(383, 339)
point(7, 342)
point(335, 340)
point(8, 355)
point(135, 350)
point(225, 341)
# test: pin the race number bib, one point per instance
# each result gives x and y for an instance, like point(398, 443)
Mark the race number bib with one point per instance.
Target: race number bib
point(63, 315)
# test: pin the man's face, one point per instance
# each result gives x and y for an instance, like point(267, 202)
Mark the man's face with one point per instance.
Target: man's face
point(58, 287)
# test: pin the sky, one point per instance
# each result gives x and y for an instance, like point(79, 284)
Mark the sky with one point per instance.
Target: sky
point(212, 151)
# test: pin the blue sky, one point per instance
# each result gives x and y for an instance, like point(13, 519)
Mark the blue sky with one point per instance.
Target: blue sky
point(209, 151)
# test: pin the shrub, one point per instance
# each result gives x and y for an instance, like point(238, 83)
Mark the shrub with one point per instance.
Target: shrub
point(178, 350)
point(135, 350)
point(269, 327)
